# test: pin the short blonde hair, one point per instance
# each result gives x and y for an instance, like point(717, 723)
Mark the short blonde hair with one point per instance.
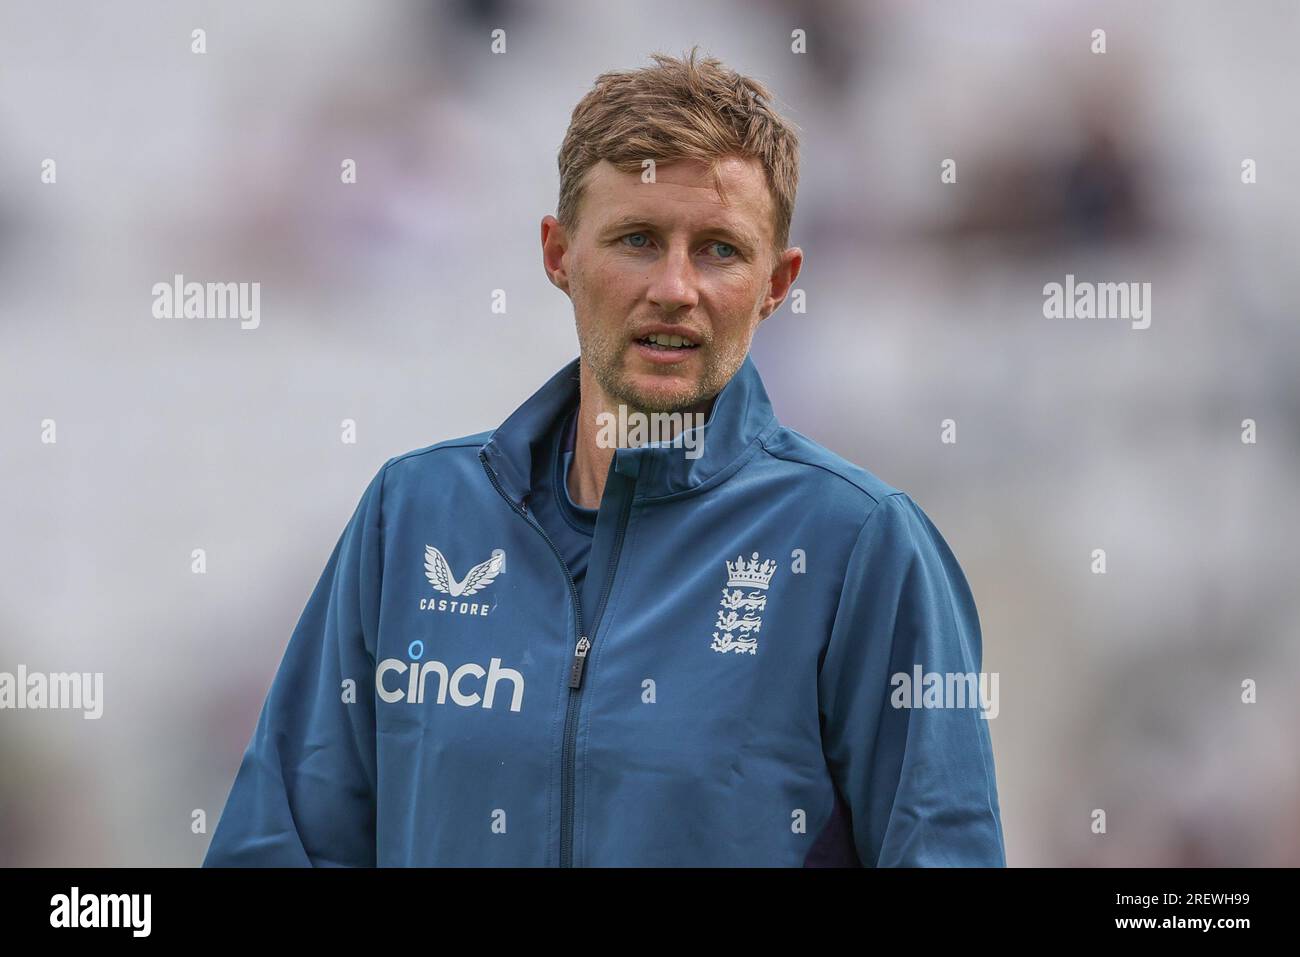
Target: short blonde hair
point(679, 109)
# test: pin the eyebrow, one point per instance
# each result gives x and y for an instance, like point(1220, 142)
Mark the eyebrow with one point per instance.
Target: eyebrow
point(741, 237)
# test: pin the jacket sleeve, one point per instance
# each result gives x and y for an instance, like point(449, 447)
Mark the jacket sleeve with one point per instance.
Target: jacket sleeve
point(919, 781)
point(304, 794)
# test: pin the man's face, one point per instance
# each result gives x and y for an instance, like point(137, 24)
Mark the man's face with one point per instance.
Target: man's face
point(650, 261)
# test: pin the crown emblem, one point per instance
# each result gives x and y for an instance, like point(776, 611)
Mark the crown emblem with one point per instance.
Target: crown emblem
point(743, 574)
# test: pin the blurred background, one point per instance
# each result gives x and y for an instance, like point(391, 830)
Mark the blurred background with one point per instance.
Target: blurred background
point(1119, 691)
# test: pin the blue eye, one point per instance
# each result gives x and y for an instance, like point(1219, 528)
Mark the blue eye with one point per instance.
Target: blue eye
point(727, 250)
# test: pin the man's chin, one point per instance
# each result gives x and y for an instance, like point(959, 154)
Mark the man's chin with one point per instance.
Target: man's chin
point(660, 391)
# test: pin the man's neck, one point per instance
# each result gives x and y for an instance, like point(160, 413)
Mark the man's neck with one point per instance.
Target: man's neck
point(590, 466)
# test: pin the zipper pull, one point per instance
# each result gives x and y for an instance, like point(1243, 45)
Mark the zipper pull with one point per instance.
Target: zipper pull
point(579, 659)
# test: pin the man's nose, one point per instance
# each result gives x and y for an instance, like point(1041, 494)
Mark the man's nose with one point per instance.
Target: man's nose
point(673, 281)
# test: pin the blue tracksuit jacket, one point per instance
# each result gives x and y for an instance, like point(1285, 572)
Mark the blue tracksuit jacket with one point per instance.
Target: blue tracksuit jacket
point(730, 693)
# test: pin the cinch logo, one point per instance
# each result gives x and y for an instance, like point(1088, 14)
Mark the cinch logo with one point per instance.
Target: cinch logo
point(419, 674)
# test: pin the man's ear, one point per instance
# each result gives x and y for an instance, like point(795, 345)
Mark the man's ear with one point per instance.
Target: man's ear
point(786, 271)
point(555, 243)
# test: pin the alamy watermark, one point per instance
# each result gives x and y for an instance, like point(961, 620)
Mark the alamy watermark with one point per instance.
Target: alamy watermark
point(1098, 300)
point(631, 429)
point(70, 691)
point(946, 689)
point(179, 299)
point(129, 911)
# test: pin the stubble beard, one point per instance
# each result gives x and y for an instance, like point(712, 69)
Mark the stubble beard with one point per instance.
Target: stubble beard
point(608, 358)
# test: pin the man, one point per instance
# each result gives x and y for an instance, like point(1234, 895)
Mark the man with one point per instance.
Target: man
point(582, 639)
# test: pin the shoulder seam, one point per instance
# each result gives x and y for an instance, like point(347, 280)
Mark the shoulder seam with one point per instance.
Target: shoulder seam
point(876, 507)
point(449, 444)
point(829, 471)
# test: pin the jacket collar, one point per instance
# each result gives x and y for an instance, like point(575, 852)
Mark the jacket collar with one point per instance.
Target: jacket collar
point(741, 419)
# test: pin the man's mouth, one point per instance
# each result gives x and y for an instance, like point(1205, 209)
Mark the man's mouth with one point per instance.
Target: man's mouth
point(661, 342)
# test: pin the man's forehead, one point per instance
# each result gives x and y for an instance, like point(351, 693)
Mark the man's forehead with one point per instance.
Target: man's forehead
point(684, 188)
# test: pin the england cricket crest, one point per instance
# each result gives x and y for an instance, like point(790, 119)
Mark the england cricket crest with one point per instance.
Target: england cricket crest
point(744, 597)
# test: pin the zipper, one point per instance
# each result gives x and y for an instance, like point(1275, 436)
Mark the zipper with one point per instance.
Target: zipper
point(567, 787)
point(580, 649)
point(579, 659)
